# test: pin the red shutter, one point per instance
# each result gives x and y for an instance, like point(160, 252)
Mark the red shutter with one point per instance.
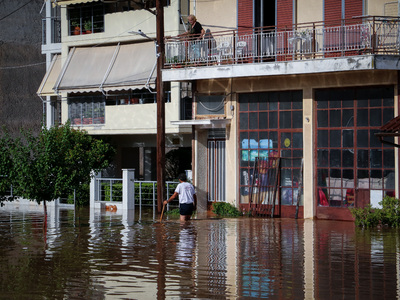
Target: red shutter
point(333, 12)
point(353, 8)
point(284, 13)
point(245, 14)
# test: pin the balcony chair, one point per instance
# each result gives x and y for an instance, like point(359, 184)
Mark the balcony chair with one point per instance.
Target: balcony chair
point(241, 50)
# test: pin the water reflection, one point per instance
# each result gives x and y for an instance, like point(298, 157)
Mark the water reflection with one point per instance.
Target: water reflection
point(102, 255)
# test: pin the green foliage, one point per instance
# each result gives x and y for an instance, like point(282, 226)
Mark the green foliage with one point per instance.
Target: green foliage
point(116, 191)
point(365, 217)
point(224, 209)
point(5, 170)
point(390, 212)
point(388, 215)
point(82, 195)
point(55, 162)
point(146, 187)
point(173, 212)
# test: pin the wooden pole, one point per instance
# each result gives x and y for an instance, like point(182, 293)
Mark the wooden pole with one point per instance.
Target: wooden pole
point(160, 106)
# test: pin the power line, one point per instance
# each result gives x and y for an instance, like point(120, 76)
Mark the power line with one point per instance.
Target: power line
point(15, 10)
point(22, 66)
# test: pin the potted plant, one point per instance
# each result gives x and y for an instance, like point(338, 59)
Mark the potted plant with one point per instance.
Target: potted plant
point(77, 29)
point(88, 26)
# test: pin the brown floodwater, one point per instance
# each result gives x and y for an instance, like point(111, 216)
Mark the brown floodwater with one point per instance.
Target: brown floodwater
point(104, 255)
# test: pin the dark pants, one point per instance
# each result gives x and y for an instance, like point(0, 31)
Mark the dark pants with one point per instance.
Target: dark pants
point(186, 209)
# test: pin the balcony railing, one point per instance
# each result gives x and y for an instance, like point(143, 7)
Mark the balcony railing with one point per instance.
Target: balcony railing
point(55, 36)
point(374, 35)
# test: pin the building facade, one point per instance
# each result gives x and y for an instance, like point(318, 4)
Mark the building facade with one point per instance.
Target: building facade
point(280, 101)
point(287, 105)
point(101, 77)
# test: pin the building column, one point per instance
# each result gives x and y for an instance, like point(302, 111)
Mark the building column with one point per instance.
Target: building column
point(128, 189)
point(309, 258)
point(201, 170)
point(94, 191)
point(309, 207)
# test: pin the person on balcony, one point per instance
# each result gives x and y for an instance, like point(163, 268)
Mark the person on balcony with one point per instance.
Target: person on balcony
point(195, 31)
point(194, 34)
point(187, 198)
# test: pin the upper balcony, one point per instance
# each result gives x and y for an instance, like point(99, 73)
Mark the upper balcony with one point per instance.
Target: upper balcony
point(360, 43)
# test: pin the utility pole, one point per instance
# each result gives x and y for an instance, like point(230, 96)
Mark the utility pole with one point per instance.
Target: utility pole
point(160, 105)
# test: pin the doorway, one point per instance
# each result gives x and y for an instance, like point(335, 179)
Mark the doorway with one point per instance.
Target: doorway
point(216, 176)
point(264, 13)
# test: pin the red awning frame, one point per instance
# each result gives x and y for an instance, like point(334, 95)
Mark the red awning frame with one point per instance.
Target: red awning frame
point(390, 129)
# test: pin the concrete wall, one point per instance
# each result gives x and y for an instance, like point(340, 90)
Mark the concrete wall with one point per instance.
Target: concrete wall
point(118, 26)
point(22, 66)
point(216, 15)
point(377, 7)
point(135, 119)
point(310, 11)
point(129, 119)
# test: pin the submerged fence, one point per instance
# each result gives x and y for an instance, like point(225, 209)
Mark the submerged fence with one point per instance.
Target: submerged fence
point(110, 190)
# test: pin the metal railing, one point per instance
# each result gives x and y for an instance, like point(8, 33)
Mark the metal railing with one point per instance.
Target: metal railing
point(55, 36)
point(378, 35)
point(110, 190)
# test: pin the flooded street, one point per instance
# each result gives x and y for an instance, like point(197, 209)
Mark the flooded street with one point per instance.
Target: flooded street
point(103, 255)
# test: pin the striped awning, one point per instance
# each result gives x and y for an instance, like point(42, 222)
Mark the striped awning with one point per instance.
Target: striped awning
point(107, 68)
point(50, 78)
point(68, 2)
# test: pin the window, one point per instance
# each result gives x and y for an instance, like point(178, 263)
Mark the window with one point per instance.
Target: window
point(86, 19)
point(86, 110)
point(142, 96)
point(270, 125)
point(89, 18)
point(186, 101)
point(210, 104)
point(349, 155)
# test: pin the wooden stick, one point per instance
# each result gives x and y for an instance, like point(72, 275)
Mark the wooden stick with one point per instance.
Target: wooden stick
point(162, 213)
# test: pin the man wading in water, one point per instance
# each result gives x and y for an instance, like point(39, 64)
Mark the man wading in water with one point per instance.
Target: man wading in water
point(187, 198)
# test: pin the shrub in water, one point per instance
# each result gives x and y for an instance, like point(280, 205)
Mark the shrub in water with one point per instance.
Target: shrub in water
point(390, 212)
point(172, 212)
point(388, 215)
point(365, 217)
point(224, 209)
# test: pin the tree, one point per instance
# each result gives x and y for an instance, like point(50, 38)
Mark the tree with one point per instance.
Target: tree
point(5, 167)
point(55, 162)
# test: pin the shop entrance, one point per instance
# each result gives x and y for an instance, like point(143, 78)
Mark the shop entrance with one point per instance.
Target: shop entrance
point(271, 125)
point(352, 165)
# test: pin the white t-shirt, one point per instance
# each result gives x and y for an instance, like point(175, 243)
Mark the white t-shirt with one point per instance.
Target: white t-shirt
point(186, 192)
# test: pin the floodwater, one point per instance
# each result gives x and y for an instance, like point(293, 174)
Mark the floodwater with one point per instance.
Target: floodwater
point(105, 255)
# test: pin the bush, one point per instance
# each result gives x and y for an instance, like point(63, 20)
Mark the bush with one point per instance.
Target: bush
point(116, 191)
point(388, 215)
point(365, 217)
point(390, 212)
point(172, 212)
point(224, 209)
point(82, 196)
point(147, 192)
